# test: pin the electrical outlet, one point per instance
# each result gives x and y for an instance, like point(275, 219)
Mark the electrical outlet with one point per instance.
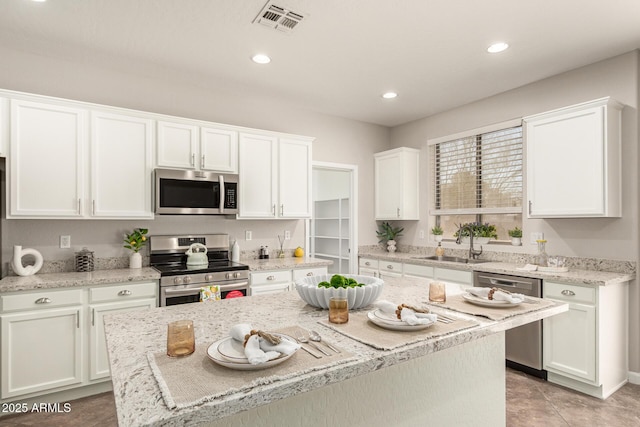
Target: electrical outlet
point(65, 242)
point(247, 235)
point(421, 234)
point(287, 235)
point(536, 236)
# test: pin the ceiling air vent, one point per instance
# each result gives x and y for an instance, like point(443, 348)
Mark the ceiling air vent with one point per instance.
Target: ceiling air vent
point(278, 18)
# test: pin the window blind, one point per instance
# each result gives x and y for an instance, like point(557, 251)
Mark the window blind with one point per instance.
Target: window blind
point(479, 173)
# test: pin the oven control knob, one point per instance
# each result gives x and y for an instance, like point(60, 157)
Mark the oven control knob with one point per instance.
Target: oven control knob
point(208, 277)
point(187, 279)
point(177, 280)
point(236, 275)
point(228, 275)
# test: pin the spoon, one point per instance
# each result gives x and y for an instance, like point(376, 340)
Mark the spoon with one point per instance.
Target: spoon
point(314, 336)
point(302, 339)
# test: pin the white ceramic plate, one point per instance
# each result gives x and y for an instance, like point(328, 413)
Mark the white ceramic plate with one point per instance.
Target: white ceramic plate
point(234, 360)
point(387, 322)
point(488, 302)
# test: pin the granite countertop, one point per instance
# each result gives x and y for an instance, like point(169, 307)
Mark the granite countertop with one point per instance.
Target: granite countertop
point(287, 263)
point(73, 279)
point(574, 275)
point(133, 335)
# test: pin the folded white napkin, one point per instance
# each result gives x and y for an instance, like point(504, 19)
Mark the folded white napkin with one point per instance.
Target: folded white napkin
point(528, 267)
point(407, 315)
point(258, 350)
point(497, 295)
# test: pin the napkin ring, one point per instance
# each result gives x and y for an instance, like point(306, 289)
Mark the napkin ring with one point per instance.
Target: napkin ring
point(410, 307)
point(494, 290)
point(272, 339)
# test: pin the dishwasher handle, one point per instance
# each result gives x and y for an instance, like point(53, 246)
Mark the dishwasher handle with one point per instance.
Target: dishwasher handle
point(501, 282)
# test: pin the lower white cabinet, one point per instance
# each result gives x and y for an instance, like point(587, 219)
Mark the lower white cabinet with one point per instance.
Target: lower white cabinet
point(270, 282)
point(53, 340)
point(586, 348)
point(301, 273)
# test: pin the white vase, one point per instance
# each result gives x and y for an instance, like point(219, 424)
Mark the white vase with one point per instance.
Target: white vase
point(437, 237)
point(135, 260)
point(516, 241)
point(391, 245)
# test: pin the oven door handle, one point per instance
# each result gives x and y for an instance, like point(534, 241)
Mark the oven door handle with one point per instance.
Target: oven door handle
point(183, 291)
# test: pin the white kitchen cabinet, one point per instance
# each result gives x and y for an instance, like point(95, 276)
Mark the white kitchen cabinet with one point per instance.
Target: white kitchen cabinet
point(573, 161)
point(121, 166)
point(42, 342)
point(301, 273)
point(275, 177)
point(4, 126)
point(389, 269)
point(418, 271)
point(194, 145)
point(586, 348)
point(270, 282)
point(104, 300)
point(368, 267)
point(47, 163)
point(396, 184)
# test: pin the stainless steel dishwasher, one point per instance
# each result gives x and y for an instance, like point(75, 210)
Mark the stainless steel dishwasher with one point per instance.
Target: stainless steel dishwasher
point(524, 343)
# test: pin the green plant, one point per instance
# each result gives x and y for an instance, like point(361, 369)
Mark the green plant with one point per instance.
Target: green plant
point(387, 232)
point(479, 230)
point(437, 231)
point(516, 232)
point(136, 239)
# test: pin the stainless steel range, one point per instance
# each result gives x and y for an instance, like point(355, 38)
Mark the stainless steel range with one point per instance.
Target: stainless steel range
point(180, 281)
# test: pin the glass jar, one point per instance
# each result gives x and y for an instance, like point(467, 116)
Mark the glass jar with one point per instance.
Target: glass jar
point(541, 259)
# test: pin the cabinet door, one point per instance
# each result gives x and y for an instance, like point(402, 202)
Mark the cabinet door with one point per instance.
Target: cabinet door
point(46, 159)
point(41, 350)
point(121, 166)
point(270, 289)
point(569, 342)
point(387, 186)
point(294, 178)
point(219, 150)
point(257, 176)
point(4, 126)
point(176, 145)
point(98, 357)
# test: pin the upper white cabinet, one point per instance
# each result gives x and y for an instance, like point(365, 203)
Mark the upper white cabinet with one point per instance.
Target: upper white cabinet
point(396, 184)
point(121, 166)
point(275, 177)
point(4, 126)
point(573, 161)
point(46, 164)
point(189, 146)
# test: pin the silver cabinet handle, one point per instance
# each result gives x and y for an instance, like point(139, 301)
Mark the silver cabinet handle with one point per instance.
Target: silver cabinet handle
point(310, 273)
point(389, 267)
point(271, 278)
point(78, 319)
point(93, 317)
point(202, 162)
point(530, 205)
point(281, 210)
point(367, 263)
point(193, 159)
point(79, 205)
point(273, 210)
point(93, 207)
point(398, 212)
point(124, 293)
point(568, 293)
point(43, 300)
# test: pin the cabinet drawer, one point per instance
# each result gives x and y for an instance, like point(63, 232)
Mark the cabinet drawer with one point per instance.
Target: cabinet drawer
point(569, 293)
point(456, 276)
point(270, 277)
point(123, 292)
point(308, 272)
point(390, 266)
point(368, 263)
point(411, 270)
point(41, 299)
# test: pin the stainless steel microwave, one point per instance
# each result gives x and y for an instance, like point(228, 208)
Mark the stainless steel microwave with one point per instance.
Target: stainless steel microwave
point(187, 192)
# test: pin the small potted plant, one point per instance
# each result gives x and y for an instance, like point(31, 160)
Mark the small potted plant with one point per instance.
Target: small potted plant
point(516, 236)
point(437, 233)
point(387, 233)
point(482, 233)
point(135, 241)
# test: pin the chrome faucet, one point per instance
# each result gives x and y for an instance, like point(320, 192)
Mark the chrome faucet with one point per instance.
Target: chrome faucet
point(473, 254)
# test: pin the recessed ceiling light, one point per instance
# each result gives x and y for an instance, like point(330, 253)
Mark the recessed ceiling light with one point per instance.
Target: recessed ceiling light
point(261, 59)
point(497, 47)
point(389, 95)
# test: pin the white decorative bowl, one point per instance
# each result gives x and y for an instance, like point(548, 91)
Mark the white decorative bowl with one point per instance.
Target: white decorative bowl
point(357, 297)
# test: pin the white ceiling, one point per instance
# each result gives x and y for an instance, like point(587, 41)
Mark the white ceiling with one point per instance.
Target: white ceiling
point(344, 54)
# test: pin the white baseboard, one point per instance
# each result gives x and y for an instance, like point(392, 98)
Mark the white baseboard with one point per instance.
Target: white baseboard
point(634, 377)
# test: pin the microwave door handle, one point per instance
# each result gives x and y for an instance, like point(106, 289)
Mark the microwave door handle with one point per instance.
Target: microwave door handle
point(221, 180)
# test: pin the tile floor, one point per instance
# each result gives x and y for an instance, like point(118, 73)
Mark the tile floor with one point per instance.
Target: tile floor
point(531, 402)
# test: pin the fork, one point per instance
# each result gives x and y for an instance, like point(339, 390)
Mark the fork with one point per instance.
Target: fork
point(445, 319)
point(304, 340)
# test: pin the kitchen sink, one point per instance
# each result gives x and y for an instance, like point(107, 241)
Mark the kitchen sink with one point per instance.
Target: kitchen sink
point(453, 259)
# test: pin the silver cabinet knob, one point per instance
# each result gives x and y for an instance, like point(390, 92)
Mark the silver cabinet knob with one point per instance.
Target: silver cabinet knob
point(271, 278)
point(310, 273)
point(44, 300)
point(124, 293)
point(389, 267)
point(568, 293)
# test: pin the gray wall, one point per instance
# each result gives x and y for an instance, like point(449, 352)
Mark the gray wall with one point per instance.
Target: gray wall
point(609, 238)
point(141, 86)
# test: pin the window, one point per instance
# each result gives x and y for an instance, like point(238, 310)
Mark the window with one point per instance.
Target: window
point(478, 177)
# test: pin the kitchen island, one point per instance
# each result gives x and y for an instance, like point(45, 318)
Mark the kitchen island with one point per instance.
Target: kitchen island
point(453, 379)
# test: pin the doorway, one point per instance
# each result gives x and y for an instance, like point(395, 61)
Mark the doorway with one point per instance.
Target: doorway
point(334, 222)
